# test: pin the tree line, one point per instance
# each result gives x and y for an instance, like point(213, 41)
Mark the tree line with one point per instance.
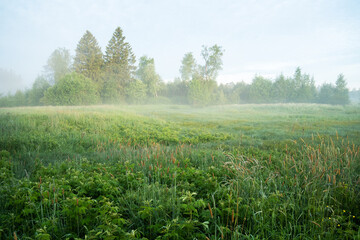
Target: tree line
point(93, 77)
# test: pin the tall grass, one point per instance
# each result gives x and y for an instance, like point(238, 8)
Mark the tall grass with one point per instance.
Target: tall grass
point(235, 172)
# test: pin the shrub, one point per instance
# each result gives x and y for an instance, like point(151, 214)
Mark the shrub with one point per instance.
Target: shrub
point(72, 89)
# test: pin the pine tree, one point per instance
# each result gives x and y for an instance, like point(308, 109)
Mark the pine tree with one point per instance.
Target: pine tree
point(88, 60)
point(119, 67)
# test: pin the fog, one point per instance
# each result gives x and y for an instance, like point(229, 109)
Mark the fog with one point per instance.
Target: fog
point(259, 37)
point(10, 81)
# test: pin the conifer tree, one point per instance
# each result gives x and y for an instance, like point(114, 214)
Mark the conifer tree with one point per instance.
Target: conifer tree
point(341, 91)
point(119, 67)
point(88, 60)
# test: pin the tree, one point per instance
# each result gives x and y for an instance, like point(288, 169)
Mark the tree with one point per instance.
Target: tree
point(341, 92)
point(326, 94)
point(72, 89)
point(119, 66)
point(20, 98)
point(147, 74)
point(88, 60)
point(303, 87)
point(119, 54)
point(38, 90)
point(188, 67)
point(201, 91)
point(113, 90)
point(136, 91)
point(58, 65)
point(281, 89)
point(212, 62)
point(203, 84)
point(178, 91)
point(260, 90)
point(354, 96)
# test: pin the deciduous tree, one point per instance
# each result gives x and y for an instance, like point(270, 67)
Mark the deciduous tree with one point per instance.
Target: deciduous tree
point(147, 74)
point(58, 65)
point(188, 67)
point(212, 62)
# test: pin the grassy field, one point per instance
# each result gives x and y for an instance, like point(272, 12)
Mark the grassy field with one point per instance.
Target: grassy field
point(177, 172)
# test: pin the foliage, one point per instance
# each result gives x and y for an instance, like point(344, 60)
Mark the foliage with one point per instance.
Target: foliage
point(72, 89)
point(281, 89)
point(147, 74)
point(327, 94)
point(178, 91)
point(260, 90)
point(38, 90)
point(212, 62)
point(201, 91)
point(338, 94)
point(88, 59)
point(303, 87)
point(188, 67)
point(177, 172)
point(354, 96)
point(114, 77)
point(119, 67)
point(341, 92)
point(202, 87)
point(113, 90)
point(136, 91)
point(58, 65)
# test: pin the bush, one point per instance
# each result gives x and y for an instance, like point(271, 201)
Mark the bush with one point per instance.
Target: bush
point(136, 91)
point(72, 89)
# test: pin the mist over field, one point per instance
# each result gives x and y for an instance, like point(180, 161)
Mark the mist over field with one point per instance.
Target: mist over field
point(179, 119)
point(265, 38)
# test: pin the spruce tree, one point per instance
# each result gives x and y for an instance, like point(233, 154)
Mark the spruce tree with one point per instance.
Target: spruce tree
point(119, 67)
point(88, 60)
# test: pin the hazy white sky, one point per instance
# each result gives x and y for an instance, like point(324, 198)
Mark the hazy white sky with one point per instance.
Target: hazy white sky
point(259, 37)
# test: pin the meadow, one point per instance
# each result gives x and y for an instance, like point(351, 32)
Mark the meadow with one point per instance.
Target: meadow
point(281, 171)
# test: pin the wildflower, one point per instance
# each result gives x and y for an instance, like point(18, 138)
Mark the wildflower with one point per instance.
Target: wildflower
point(344, 211)
point(329, 218)
point(353, 216)
point(338, 225)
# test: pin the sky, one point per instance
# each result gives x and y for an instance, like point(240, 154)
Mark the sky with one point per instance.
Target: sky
point(267, 37)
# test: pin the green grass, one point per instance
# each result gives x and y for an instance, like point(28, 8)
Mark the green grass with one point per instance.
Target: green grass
point(176, 172)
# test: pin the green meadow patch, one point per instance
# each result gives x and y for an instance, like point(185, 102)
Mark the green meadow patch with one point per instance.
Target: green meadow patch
point(287, 171)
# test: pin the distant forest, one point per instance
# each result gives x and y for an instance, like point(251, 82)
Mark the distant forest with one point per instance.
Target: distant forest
point(113, 77)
